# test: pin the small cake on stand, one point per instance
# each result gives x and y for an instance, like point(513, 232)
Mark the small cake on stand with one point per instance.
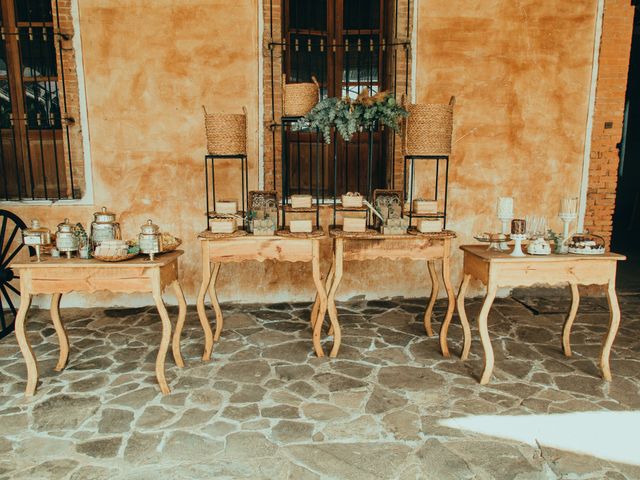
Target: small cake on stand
point(518, 234)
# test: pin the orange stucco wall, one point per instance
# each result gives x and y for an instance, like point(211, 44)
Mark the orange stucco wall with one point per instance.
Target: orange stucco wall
point(520, 72)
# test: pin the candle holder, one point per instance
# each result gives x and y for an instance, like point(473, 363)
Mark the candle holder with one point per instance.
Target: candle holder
point(505, 215)
point(506, 221)
point(566, 218)
point(517, 246)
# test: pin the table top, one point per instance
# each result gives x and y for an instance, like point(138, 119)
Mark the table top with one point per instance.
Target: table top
point(372, 234)
point(240, 236)
point(495, 256)
point(63, 262)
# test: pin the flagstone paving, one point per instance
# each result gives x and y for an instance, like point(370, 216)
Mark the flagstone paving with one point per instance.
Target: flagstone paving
point(266, 407)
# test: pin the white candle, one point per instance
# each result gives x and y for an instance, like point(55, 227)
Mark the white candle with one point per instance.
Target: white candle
point(568, 206)
point(505, 207)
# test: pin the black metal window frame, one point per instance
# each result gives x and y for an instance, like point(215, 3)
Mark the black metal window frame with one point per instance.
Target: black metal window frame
point(35, 158)
point(314, 47)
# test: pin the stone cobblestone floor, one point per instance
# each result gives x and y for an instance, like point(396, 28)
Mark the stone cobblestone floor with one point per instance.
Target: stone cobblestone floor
point(265, 407)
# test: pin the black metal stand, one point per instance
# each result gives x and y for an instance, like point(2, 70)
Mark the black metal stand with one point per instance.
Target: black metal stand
point(437, 159)
point(244, 178)
point(286, 173)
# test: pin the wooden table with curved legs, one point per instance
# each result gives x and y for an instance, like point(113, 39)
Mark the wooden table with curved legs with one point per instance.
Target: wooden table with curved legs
point(429, 248)
point(498, 270)
point(57, 276)
point(218, 250)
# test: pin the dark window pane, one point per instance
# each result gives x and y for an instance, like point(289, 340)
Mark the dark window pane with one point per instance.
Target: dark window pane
point(43, 107)
point(5, 104)
point(33, 10)
point(308, 60)
point(361, 61)
point(38, 52)
point(308, 14)
point(361, 14)
point(3, 60)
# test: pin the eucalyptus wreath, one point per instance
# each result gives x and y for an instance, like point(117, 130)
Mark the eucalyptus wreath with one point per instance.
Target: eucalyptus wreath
point(348, 116)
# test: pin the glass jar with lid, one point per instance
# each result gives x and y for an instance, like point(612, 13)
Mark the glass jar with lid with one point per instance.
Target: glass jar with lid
point(149, 239)
point(66, 239)
point(104, 227)
point(36, 236)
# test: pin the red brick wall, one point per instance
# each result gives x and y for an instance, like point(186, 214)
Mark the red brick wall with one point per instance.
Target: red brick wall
point(608, 119)
point(67, 66)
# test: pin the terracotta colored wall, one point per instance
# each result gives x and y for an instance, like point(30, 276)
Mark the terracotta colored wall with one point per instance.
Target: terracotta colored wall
point(149, 66)
point(520, 72)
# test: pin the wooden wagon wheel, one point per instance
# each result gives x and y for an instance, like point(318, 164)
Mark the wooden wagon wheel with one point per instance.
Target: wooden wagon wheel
point(11, 227)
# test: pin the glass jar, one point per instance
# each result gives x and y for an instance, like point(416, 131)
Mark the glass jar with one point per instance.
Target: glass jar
point(36, 236)
point(66, 239)
point(149, 239)
point(104, 227)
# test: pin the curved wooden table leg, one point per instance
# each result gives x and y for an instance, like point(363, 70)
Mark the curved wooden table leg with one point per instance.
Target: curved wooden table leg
point(333, 311)
point(182, 315)
point(463, 317)
point(322, 299)
point(614, 323)
point(214, 301)
point(202, 314)
point(568, 323)
point(484, 335)
point(435, 286)
point(444, 329)
point(166, 335)
point(63, 339)
point(316, 305)
point(25, 346)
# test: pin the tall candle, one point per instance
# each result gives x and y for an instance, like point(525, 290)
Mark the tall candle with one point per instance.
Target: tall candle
point(568, 206)
point(505, 207)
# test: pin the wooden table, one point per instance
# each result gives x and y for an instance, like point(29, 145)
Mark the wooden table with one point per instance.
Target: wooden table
point(57, 276)
point(221, 249)
point(372, 245)
point(498, 269)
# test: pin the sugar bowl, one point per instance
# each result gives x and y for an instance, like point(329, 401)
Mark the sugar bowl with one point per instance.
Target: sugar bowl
point(36, 236)
point(104, 227)
point(66, 239)
point(150, 239)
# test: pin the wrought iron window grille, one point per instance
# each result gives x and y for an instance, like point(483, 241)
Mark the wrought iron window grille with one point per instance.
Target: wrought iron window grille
point(35, 153)
point(348, 45)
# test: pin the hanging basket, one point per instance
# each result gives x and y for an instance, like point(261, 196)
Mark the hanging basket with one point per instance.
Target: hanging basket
point(299, 98)
point(428, 128)
point(226, 132)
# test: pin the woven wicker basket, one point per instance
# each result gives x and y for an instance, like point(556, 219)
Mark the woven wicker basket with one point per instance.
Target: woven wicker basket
point(226, 132)
point(428, 128)
point(299, 98)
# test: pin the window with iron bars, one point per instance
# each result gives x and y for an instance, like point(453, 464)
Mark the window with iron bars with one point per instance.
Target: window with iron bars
point(35, 156)
point(347, 45)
